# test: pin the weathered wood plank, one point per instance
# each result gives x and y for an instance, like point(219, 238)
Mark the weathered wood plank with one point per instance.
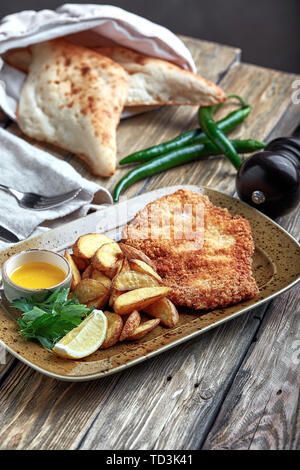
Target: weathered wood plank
point(140, 408)
point(133, 134)
point(6, 362)
point(261, 411)
point(180, 416)
point(167, 402)
point(117, 412)
point(35, 413)
point(273, 114)
point(193, 423)
point(120, 412)
point(212, 59)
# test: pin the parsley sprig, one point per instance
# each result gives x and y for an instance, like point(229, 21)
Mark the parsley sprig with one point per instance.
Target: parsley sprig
point(47, 320)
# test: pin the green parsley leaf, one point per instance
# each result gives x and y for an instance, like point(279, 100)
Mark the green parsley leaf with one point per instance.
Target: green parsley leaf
point(48, 319)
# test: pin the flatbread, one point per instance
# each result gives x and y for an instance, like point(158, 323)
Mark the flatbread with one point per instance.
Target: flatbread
point(155, 81)
point(151, 81)
point(19, 58)
point(73, 97)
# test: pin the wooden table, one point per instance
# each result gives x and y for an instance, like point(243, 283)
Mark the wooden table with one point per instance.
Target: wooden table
point(235, 387)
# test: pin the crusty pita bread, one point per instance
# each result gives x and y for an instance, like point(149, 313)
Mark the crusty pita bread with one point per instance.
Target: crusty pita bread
point(19, 58)
point(151, 81)
point(158, 82)
point(73, 97)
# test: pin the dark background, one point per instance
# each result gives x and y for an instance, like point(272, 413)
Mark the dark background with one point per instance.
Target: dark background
point(267, 31)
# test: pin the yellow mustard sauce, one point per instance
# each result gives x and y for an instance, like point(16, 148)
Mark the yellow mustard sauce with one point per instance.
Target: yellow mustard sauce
point(37, 275)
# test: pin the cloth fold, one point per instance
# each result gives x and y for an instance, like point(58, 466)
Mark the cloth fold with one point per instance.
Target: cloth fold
point(26, 168)
point(87, 25)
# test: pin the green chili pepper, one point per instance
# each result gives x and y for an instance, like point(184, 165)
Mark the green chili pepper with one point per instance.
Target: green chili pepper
point(195, 136)
point(192, 137)
point(178, 157)
point(217, 136)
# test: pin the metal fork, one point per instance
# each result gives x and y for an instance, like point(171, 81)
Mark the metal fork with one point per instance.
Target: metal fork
point(38, 202)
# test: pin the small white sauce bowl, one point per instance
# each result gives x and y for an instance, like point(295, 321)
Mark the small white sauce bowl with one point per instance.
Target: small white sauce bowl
point(13, 291)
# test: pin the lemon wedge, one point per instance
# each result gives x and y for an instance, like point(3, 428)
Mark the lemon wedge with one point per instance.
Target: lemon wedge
point(85, 338)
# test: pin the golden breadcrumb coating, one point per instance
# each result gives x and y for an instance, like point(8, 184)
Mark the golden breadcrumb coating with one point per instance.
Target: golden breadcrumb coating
point(214, 269)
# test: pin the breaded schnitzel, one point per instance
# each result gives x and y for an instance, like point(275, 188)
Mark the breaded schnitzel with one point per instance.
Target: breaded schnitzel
point(208, 265)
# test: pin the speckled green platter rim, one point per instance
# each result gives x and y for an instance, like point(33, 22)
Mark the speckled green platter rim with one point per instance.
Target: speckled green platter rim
point(276, 268)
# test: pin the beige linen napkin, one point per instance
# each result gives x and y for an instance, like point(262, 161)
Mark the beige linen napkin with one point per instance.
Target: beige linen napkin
point(27, 168)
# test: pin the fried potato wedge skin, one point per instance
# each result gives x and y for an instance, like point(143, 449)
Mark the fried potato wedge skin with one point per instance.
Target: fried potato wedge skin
point(99, 302)
point(123, 266)
point(81, 263)
point(87, 272)
point(114, 293)
point(106, 258)
point(86, 246)
point(143, 329)
point(132, 322)
point(138, 299)
point(76, 277)
point(129, 280)
point(99, 276)
point(114, 329)
point(90, 289)
point(165, 310)
point(142, 267)
point(133, 253)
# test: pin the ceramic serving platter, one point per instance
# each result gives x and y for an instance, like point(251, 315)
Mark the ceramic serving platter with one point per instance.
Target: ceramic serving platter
point(276, 268)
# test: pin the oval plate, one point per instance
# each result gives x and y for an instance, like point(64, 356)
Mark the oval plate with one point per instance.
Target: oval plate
point(276, 268)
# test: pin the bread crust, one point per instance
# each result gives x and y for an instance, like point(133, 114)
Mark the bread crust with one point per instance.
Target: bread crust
point(154, 81)
point(73, 98)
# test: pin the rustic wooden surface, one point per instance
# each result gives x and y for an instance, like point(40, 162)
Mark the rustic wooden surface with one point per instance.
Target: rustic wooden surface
point(235, 387)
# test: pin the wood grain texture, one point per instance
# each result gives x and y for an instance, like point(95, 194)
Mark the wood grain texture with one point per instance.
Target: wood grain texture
point(171, 401)
point(42, 413)
point(273, 114)
point(262, 409)
point(204, 371)
point(119, 412)
point(7, 360)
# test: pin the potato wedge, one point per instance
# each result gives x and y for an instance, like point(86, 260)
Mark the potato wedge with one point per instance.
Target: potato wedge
point(76, 277)
point(114, 329)
point(87, 272)
point(89, 289)
point(87, 245)
point(130, 325)
point(99, 276)
point(143, 329)
point(114, 293)
point(105, 259)
point(129, 280)
point(142, 267)
point(81, 263)
point(138, 299)
point(123, 266)
point(165, 310)
point(133, 253)
point(99, 302)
